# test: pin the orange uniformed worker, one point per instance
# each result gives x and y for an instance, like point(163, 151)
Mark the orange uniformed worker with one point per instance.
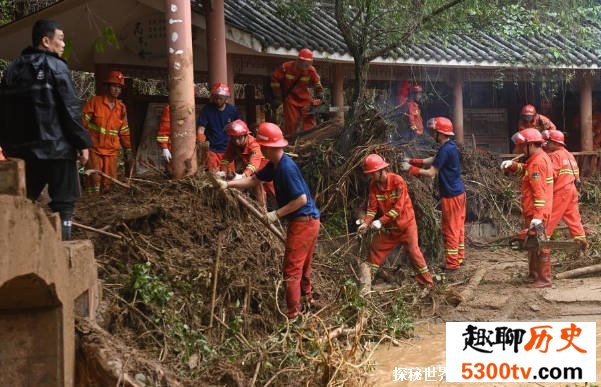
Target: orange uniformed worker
point(105, 117)
point(447, 166)
point(290, 83)
point(2, 158)
point(295, 205)
point(529, 118)
point(244, 152)
point(164, 136)
point(390, 205)
point(565, 192)
point(537, 198)
point(412, 110)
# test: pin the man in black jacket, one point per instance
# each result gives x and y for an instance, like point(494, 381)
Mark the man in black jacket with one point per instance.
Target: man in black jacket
point(40, 121)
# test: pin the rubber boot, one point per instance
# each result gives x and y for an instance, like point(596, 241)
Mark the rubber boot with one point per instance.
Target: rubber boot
point(544, 272)
point(532, 266)
point(365, 277)
point(66, 230)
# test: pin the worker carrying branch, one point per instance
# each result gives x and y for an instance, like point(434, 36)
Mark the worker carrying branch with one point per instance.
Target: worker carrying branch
point(447, 166)
point(537, 198)
point(243, 158)
point(566, 178)
point(105, 117)
point(390, 214)
point(290, 84)
point(295, 205)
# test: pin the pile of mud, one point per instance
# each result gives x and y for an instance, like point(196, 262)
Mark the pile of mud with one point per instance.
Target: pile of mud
point(158, 290)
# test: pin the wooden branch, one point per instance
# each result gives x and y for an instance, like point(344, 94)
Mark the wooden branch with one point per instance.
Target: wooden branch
point(88, 228)
point(425, 20)
point(593, 269)
point(124, 185)
point(253, 210)
point(466, 294)
point(214, 279)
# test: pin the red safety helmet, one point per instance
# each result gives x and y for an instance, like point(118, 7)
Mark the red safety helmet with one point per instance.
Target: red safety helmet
point(373, 163)
point(237, 128)
point(115, 77)
point(555, 136)
point(528, 110)
point(442, 125)
point(221, 89)
point(270, 135)
point(527, 136)
point(417, 88)
point(305, 54)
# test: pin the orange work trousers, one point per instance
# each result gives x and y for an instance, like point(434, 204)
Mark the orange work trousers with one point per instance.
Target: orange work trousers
point(104, 163)
point(300, 243)
point(453, 230)
point(293, 113)
point(565, 205)
point(383, 242)
point(214, 161)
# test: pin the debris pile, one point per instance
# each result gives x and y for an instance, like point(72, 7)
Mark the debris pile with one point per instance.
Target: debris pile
point(161, 297)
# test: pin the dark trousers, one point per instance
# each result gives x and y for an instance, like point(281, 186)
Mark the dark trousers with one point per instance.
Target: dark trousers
point(62, 180)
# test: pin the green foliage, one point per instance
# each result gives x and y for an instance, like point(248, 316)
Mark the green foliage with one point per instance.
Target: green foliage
point(398, 321)
point(378, 28)
point(350, 303)
point(190, 341)
point(148, 287)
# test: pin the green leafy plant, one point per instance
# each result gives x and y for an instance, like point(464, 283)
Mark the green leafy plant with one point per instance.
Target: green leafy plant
point(143, 284)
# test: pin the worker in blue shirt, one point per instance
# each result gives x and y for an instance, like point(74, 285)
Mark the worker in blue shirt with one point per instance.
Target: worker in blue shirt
point(447, 165)
point(213, 119)
point(295, 205)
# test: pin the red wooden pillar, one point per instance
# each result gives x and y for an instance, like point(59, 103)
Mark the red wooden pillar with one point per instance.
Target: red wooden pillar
point(586, 118)
point(338, 92)
point(178, 17)
point(101, 71)
point(458, 106)
point(216, 50)
point(230, 79)
point(586, 112)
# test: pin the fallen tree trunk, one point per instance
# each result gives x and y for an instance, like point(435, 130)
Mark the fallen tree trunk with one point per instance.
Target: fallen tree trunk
point(593, 269)
point(102, 360)
point(466, 293)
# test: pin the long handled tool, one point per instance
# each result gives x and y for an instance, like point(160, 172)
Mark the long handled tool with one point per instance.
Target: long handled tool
point(253, 210)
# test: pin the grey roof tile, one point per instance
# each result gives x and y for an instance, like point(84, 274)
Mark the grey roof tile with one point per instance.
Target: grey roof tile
point(320, 33)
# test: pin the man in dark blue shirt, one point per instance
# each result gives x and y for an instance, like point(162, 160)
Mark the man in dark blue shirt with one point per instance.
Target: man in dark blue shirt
point(295, 205)
point(213, 119)
point(447, 166)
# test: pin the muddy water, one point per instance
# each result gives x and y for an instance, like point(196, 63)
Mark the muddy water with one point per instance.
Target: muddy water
point(427, 351)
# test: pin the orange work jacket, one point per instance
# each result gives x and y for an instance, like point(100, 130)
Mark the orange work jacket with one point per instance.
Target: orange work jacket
point(392, 203)
point(539, 123)
point(108, 127)
point(565, 168)
point(416, 122)
point(250, 156)
point(537, 186)
point(285, 77)
point(164, 132)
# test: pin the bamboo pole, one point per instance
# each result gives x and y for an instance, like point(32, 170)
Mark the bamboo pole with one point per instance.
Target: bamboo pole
point(88, 228)
point(214, 279)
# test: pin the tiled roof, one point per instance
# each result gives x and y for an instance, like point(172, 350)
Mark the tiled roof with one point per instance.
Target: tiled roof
point(320, 33)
